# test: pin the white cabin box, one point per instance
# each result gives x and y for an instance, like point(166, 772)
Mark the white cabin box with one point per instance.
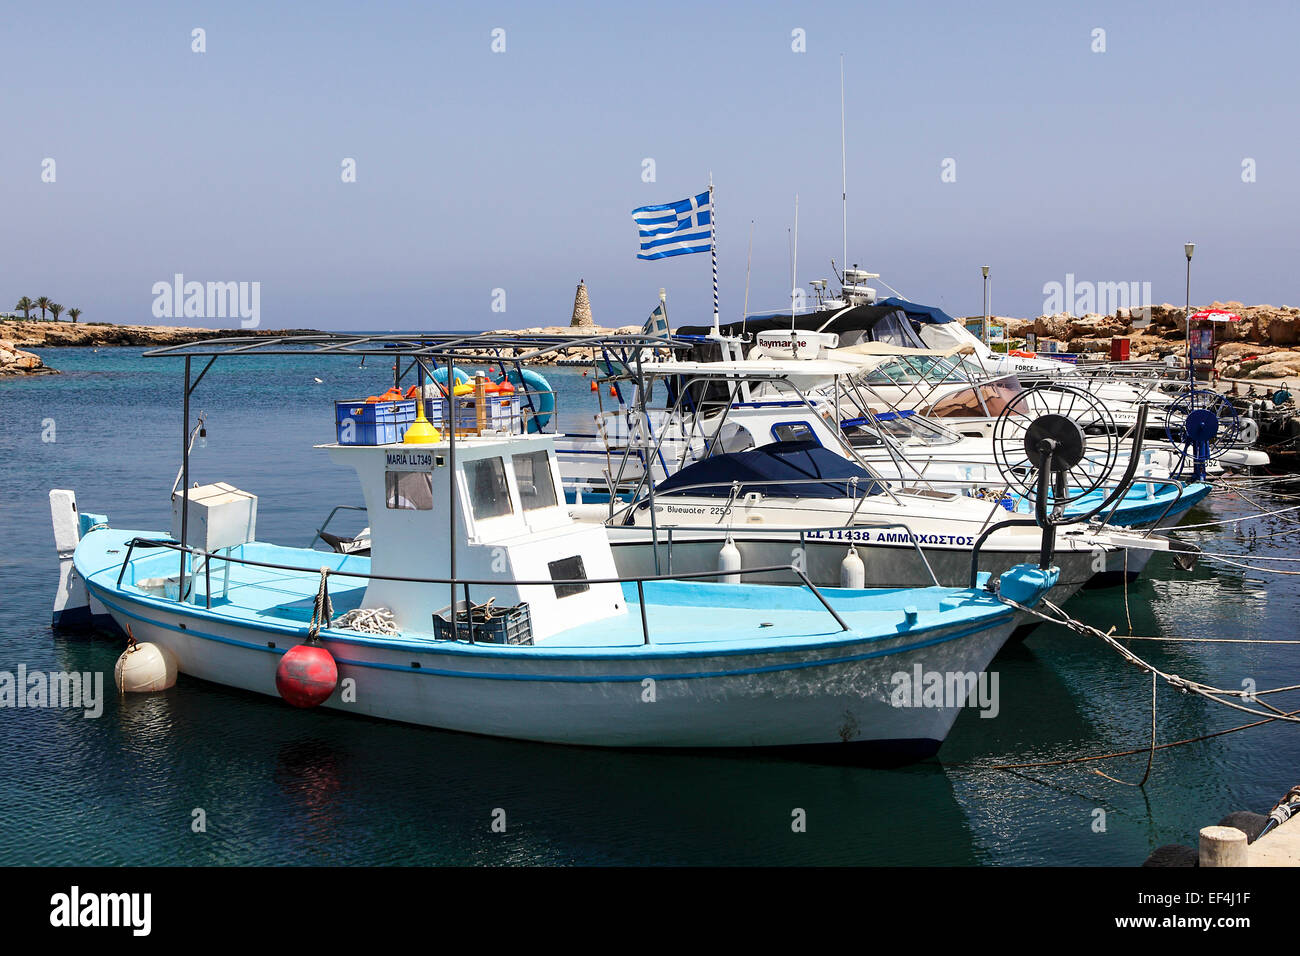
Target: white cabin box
point(220, 516)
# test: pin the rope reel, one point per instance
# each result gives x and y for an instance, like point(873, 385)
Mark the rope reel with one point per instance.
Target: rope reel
point(1077, 428)
point(1204, 424)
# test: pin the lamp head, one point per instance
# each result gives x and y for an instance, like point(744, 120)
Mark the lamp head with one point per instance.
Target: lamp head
point(1189, 248)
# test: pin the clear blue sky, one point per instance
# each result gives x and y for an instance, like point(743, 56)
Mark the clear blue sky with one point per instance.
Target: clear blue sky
point(518, 170)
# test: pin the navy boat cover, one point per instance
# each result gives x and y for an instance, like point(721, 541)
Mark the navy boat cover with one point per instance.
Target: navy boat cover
point(782, 470)
point(929, 314)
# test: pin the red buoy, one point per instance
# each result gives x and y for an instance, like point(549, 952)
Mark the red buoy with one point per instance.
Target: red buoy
point(307, 675)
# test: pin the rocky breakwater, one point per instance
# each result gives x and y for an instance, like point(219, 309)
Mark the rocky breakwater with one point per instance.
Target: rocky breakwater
point(14, 361)
point(68, 335)
point(1265, 344)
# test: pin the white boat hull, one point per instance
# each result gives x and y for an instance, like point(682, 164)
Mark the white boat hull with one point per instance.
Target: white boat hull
point(836, 697)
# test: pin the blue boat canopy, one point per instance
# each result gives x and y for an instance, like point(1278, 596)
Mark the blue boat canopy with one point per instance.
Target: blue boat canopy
point(788, 469)
point(929, 314)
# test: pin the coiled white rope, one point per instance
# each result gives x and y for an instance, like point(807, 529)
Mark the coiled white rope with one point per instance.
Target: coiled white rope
point(368, 620)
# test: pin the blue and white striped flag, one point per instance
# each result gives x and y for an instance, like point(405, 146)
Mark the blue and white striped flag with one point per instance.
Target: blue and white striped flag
point(675, 228)
point(657, 324)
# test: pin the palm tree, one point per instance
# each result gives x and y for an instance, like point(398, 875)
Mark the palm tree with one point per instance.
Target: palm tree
point(26, 305)
point(74, 314)
point(43, 303)
point(55, 309)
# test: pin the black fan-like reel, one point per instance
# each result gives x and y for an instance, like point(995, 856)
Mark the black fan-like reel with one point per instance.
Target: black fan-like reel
point(1205, 424)
point(1077, 428)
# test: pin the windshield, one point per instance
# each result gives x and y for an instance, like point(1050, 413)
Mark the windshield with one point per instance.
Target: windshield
point(979, 401)
point(904, 428)
point(910, 369)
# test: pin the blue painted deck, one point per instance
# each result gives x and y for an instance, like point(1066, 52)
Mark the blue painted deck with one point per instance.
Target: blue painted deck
point(685, 617)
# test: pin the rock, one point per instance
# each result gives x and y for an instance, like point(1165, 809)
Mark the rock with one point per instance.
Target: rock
point(14, 361)
point(1015, 328)
point(1276, 370)
point(1093, 326)
point(1282, 329)
point(1055, 326)
point(65, 334)
point(1166, 316)
point(1088, 345)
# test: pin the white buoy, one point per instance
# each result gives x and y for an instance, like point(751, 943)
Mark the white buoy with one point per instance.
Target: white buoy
point(853, 573)
point(144, 668)
point(729, 563)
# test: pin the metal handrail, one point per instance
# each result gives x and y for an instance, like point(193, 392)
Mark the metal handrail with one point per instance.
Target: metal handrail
point(330, 517)
point(768, 532)
point(550, 582)
point(735, 487)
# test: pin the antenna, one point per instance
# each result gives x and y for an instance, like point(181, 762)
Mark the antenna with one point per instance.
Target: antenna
point(744, 315)
point(844, 169)
point(794, 263)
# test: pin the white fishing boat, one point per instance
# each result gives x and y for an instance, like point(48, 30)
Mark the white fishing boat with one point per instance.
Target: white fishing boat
point(483, 607)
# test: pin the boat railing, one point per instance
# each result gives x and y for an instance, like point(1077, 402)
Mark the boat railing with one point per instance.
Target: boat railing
point(801, 535)
point(326, 523)
point(639, 580)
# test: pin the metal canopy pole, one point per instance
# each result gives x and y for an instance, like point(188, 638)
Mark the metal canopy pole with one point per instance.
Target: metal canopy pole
point(649, 462)
point(449, 422)
point(185, 479)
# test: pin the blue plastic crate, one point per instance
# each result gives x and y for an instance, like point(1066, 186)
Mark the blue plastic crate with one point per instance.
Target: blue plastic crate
point(505, 625)
point(373, 423)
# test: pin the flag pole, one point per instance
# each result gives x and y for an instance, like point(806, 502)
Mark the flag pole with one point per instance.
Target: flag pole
point(713, 252)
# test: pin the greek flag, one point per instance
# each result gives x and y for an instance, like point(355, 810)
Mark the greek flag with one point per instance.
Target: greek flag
point(675, 228)
point(657, 324)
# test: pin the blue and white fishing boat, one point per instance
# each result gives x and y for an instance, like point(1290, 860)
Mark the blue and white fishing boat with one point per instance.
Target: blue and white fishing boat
point(483, 607)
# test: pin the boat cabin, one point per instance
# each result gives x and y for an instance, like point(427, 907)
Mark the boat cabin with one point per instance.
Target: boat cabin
point(505, 503)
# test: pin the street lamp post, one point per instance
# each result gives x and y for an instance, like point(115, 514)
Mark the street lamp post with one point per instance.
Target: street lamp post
point(984, 330)
point(1188, 249)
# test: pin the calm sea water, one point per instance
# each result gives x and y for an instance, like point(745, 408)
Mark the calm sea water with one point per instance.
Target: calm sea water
point(281, 786)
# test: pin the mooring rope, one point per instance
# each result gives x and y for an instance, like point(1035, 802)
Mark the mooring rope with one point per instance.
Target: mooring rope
point(1207, 691)
point(322, 610)
point(1205, 640)
point(1220, 521)
point(1130, 753)
point(1251, 567)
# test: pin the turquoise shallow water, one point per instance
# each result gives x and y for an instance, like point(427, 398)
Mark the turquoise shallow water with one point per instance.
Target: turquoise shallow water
point(282, 786)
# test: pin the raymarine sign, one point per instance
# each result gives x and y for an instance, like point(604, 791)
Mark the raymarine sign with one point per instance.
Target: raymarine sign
point(797, 343)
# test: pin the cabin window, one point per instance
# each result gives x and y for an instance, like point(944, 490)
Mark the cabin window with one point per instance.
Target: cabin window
point(536, 484)
point(793, 431)
point(489, 495)
point(568, 569)
point(409, 490)
point(734, 438)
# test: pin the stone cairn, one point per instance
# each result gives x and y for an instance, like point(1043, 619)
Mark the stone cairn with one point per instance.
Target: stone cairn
point(581, 309)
